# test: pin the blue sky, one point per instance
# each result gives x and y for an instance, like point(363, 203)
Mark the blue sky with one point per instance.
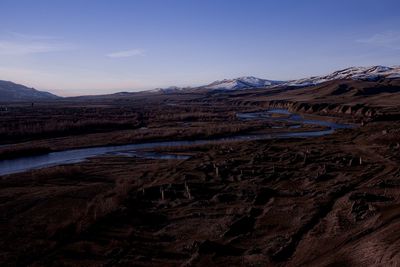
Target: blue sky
point(75, 47)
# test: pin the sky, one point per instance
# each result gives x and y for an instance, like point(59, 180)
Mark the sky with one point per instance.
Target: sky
point(76, 47)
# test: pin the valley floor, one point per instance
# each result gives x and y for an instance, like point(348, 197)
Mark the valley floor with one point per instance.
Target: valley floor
point(327, 201)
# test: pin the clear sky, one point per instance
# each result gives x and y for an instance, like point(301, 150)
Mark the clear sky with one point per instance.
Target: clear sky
point(75, 47)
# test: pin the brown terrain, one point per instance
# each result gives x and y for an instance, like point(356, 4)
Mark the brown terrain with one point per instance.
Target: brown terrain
point(324, 201)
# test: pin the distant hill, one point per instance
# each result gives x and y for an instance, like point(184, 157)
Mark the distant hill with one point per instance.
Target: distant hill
point(384, 76)
point(240, 83)
point(11, 92)
point(373, 73)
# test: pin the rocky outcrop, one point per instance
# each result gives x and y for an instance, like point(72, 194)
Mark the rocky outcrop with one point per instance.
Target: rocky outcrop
point(357, 110)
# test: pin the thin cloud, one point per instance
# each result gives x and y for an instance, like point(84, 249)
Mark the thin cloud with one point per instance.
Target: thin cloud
point(33, 36)
point(21, 44)
point(126, 53)
point(21, 48)
point(389, 39)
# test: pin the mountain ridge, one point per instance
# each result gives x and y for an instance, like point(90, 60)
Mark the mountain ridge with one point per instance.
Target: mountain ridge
point(12, 92)
point(370, 73)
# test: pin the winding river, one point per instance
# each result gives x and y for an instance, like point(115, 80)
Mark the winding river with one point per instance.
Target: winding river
point(23, 164)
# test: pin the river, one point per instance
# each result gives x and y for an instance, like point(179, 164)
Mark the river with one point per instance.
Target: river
point(23, 164)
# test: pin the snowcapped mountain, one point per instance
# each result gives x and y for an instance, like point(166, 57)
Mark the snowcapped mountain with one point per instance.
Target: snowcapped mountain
point(354, 73)
point(240, 83)
point(170, 89)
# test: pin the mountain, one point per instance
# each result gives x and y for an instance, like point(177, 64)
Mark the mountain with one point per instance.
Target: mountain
point(10, 91)
point(227, 84)
point(240, 83)
point(384, 92)
point(171, 89)
point(373, 73)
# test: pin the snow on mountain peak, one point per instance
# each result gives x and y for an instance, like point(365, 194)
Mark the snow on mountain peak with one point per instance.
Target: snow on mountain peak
point(240, 83)
point(372, 73)
point(352, 73)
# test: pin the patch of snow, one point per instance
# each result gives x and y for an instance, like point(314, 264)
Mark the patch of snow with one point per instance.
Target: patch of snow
point(241, 83)
point(394, 76)
point(354, 73)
